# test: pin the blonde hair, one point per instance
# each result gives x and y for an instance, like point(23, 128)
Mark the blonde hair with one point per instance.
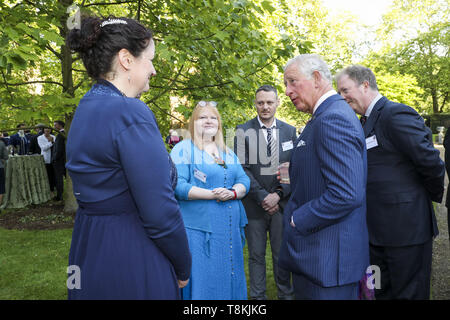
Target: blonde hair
point(196, 138)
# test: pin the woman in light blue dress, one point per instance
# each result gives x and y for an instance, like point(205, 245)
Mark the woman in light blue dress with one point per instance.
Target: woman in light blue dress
point(211, 183)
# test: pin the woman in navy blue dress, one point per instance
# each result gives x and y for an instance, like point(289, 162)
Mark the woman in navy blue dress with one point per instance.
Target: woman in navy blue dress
point(129, 240)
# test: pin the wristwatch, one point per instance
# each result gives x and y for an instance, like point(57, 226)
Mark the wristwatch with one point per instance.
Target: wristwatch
point(279, 192)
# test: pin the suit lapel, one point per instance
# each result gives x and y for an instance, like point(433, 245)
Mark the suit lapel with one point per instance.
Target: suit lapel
point(374, 115)
point(281, 134)
point(259, 133)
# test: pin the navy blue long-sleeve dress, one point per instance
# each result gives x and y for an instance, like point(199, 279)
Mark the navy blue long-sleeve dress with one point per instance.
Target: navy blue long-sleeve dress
point(129, 239)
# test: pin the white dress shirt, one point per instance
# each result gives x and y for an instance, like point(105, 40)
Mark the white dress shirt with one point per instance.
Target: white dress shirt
point(323, 98)
point(46, 147)
point(372, 104)
point(264, 130)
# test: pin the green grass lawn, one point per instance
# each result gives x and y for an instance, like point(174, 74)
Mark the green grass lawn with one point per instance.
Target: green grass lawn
point(33, 265)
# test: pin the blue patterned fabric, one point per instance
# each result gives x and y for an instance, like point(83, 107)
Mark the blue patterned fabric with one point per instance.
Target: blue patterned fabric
point(216, 238)
point(103, 88)
point(129, 240)
point(173, 174)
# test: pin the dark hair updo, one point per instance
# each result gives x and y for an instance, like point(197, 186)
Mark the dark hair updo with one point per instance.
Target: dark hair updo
point(98, 41)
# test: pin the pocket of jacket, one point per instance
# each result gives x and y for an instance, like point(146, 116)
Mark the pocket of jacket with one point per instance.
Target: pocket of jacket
point(399, 197)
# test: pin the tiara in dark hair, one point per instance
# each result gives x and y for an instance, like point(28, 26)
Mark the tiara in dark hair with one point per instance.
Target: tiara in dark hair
point(113, 21)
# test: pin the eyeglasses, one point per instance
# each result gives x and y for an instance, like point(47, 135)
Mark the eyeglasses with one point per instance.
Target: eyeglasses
point(204, 103)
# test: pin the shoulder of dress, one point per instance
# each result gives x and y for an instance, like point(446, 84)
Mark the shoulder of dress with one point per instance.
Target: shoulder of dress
point(136, 111)
point(184, 145)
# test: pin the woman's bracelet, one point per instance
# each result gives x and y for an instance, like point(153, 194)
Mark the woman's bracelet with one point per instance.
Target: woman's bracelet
point(235, 194)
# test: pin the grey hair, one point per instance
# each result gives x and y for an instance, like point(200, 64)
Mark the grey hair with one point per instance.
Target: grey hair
point(359, 74)
point(308, 63)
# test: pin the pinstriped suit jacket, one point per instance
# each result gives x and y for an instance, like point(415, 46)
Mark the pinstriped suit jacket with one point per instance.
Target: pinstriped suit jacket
point(328, 173)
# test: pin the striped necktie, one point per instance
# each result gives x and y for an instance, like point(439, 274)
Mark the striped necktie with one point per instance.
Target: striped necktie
point(271, 143)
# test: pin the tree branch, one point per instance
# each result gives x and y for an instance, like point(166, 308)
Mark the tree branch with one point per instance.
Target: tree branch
point(169, 87)
point(58, 55)
point(164, 111)
point(77, 70)
point(7, 87)
point(214, 85)
point(77, 86)
point(196, 88)
point(139, 10)
point(212, 34)
point(106, 3)
point(34, 127)
point(34, 5)
point(31, 82)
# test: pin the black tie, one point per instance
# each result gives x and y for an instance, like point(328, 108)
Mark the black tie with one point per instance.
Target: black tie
point(363, 120)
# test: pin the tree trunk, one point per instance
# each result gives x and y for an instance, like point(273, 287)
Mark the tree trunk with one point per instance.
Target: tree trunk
point(70, 203)
point(434, 97)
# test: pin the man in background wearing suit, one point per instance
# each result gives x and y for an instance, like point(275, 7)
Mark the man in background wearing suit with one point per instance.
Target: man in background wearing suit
point(262, 144)
point(20, 141)
point(405, 173)
point(59, 159)
point(34, 145)
point(325, 242)
point(447, 168)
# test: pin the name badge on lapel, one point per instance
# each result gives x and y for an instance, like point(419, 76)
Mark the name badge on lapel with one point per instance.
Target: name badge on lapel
point(199, 175)
point(371, 142)
point(288, 145)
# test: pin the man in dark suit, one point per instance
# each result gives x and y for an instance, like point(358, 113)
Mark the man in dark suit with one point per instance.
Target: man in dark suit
point(59, 159)
point(262, 144)
point(34, 145)
point(447, 168)
point(405, 173)
point(325, 242)
point(20, 140)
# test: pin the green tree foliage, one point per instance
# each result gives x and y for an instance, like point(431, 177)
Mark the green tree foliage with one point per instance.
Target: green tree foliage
point(216, 49)
point(205, 49)
point(314, 30)
point(416, 43)
point(427, 58)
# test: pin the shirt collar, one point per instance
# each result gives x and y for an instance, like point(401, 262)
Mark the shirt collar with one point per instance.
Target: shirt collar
point(372, 104)
point(273, 125)
point(323, 98)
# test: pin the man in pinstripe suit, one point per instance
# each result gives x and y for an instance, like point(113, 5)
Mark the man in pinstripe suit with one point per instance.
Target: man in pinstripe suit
point(325, 242)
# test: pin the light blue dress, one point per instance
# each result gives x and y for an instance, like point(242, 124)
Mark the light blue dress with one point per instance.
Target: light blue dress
point(215, 229)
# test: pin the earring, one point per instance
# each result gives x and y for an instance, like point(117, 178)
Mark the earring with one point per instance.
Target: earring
point(129, 79)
